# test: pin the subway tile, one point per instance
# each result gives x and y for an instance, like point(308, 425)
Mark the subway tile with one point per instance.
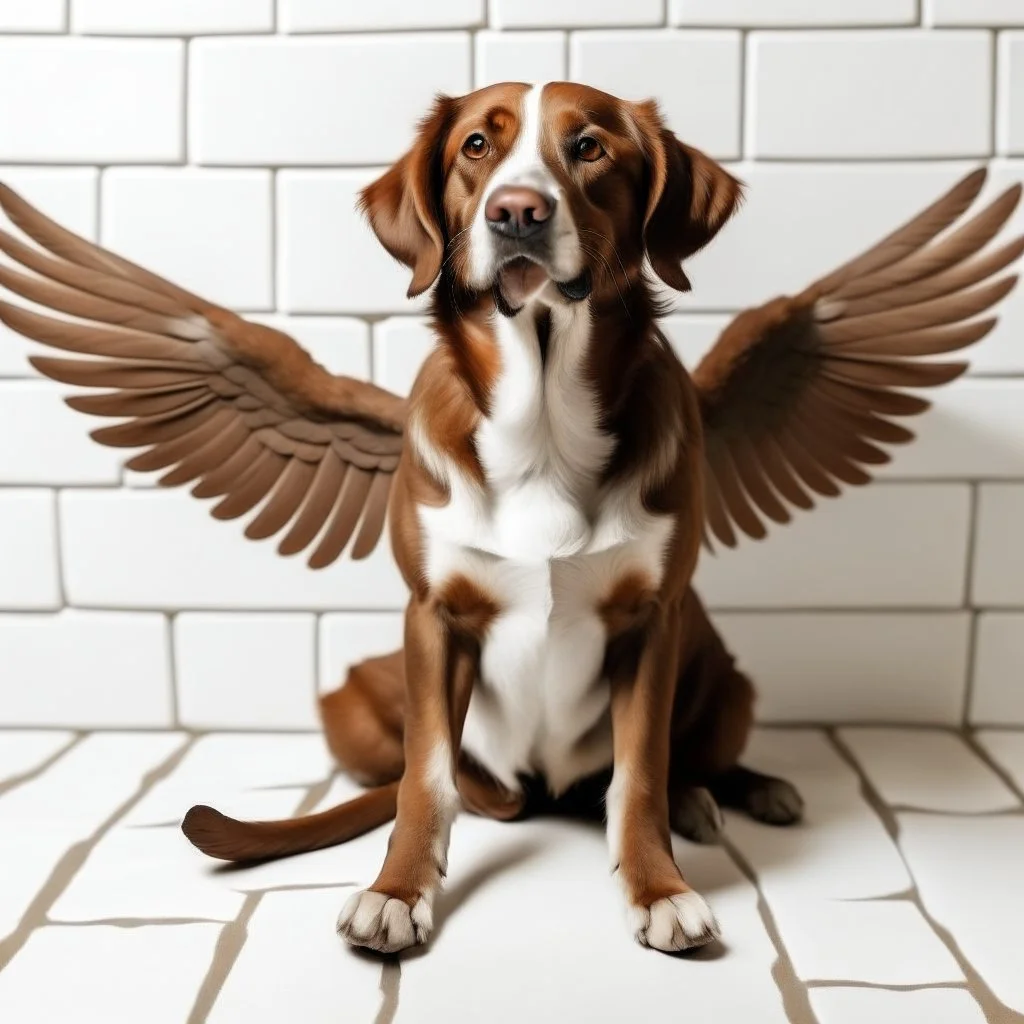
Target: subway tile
point(883, 546)
point(328, 258)
point(53, 444)
point(280, 100)
point(391, 15)
point(198, 563)
point(674, 68)
point(852, 666)
point(998, 550)
point(245, 671)
point(86, 669)
point(171, 17)
point(28, 550)
point(32, 15)
point(998, 693)
point(91, 100)
point(792, 13)
point(972, 12)
point(520, 57)
point(1010, 91)
point(208, 231)
point(875, 94)
point(574, 13)
point(347, 638)
point(400, 344)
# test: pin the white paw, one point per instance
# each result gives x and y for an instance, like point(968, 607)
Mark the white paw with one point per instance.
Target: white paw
point(676, 922)
point(384, 923)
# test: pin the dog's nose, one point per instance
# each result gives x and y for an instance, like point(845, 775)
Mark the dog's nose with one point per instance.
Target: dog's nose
point(517, 211)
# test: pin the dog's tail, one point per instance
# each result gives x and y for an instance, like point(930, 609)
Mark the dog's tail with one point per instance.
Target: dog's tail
point(226, 838)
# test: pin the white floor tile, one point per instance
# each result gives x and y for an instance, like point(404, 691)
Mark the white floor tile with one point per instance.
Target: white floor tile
point(23, 752)
point(226, 770)
point(317, 981)
point(968, 874)
point(106, 975)
point(882, 942)
point(927, 770)
point(858, 1005)
point(148, 874)
point(1007, 748)
point(41, 820)
point(840, 851)
point(533, 926)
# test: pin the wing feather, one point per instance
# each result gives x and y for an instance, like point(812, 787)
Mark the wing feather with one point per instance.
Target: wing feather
point(799, 395)
point(235, 408)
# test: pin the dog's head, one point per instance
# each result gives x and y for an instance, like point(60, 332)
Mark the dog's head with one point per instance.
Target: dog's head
point(543, 191)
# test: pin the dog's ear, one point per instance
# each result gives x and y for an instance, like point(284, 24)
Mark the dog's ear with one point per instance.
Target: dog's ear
point(689, 199)
point(403, 205)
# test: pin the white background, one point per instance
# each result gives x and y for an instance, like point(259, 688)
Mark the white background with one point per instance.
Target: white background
point(221, 142)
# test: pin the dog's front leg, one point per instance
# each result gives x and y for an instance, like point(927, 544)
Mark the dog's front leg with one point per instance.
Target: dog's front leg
point(397, 910)
point(664, 912)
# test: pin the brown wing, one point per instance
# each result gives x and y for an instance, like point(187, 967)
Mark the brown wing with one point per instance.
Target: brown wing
point(239, 408)
point(798, 394)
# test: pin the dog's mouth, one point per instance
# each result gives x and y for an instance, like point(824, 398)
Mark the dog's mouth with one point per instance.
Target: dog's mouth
point(521, 277)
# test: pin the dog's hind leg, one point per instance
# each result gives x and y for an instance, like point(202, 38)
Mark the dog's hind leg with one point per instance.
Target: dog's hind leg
point(764, 797)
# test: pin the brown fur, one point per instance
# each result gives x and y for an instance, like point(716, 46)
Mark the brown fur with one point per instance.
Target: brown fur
point(680, 712)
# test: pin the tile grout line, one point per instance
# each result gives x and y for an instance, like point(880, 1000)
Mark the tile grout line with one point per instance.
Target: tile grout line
point(796, 1001)
point(14, 781)
point(972, 632)
point(995, 1011)
point(234, 934)
point(36, 916)
point(981, 751)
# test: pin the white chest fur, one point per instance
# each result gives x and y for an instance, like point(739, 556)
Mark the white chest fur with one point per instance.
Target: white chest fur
point(549, 543)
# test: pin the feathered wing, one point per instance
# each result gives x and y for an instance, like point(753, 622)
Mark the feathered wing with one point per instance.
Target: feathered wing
point(798, 394)
point(238, 408)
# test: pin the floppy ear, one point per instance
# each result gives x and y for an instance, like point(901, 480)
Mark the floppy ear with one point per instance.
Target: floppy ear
point(691, 197)
point(403, 204)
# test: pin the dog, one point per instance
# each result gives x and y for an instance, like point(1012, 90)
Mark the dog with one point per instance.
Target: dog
point(549, 483)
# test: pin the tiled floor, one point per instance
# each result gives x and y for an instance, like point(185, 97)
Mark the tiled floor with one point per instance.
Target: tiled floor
point(899, 900)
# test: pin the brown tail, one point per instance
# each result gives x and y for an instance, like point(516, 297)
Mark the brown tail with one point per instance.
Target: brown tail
point(226, 838)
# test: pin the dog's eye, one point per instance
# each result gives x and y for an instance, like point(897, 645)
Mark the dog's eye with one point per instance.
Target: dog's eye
point(476, 146)
point(587, 148)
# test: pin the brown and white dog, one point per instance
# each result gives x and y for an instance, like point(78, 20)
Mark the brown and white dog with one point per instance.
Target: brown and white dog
point(558, 467)
point(548, 510)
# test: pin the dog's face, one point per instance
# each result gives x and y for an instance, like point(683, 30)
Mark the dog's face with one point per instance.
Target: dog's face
point(546, 191)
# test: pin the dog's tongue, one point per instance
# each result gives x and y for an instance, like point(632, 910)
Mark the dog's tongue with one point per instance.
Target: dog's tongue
point(519, 279)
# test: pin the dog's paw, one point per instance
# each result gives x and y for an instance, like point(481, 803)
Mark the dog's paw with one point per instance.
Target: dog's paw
point(775, 802)
point(385, 923)
point(683, 921)
point(694, 814)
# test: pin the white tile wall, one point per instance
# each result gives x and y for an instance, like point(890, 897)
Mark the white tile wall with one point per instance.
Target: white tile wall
point(695, 75)
point(171, 17)
point(90, 669)
point(208, 230)
point(973, 12)
point(306, 101)
point(30, 576)
point(232, 164)
point(787, 13)
point(92, 100)
point(999, 555)
point(356, 15)
point(1010, 126)
point(245, 671)
point(520, 57)
point(870, 94)
point(32, 15)
point(998, 697)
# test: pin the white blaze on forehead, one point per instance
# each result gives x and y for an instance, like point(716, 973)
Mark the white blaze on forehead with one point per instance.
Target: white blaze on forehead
point(525, 165)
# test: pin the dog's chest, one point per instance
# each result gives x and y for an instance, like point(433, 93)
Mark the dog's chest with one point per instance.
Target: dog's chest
point(549, 545)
